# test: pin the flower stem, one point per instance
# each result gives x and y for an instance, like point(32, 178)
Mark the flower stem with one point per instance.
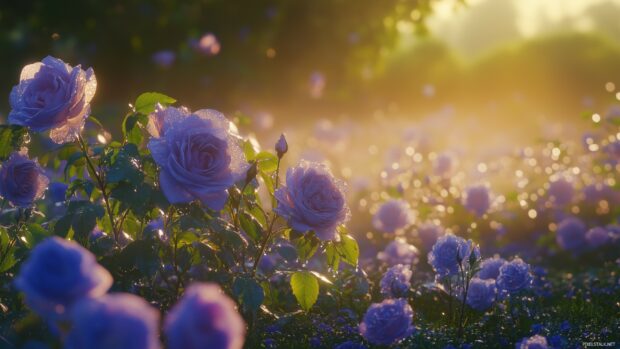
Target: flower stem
point(265, 241)
point(100, 184)
point(465, 280)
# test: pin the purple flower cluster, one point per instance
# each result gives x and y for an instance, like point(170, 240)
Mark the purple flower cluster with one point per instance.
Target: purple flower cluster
point(534, 342)
point(450, 252)
point(312, 200)
point(197, 153)
point(394, 215)
point(396, 281)
point(478, 199)
point(388, 322)
point(489, 268)
point(399, 252)
point(570, 234)
point(481, 293)
point(561, 191)
point(51, 95)
point(428, 233)
point(514, 276)
point(597, 237)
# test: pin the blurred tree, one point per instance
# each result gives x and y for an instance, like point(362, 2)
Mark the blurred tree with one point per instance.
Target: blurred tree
point(269, 48)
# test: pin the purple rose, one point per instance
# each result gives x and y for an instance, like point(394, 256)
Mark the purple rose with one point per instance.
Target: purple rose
point(534, 342)
point(448, 253)
point(597, 237)
point(197, 153)
point(312, 200)
point(571, 234)
point(489, 268)
point(514, 276)
point(399, 252)
point(52, 95)
point(58, 273)
point(396, 281)
point(481, 294)
point(119, 320)
point(561, 191)
point(387, 322)
point(478, 199)
point(204, 318)
point(393, 215)
point(428, 233)
point(22, 181)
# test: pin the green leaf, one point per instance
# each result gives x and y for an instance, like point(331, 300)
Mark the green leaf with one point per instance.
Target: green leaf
point(146, 102)
point(305, 288)
point(12, 138)
point(249, 293)
point(307, 246)
point(7, 260)
point(249, 151)
point(126, 166)
point(81, 216)
point(267, 162)
point(333, 257)
point(348, 249)
point(132, 127)
point(250, 225)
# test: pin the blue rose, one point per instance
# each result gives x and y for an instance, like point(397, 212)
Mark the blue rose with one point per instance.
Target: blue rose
point(481, 294)
point(312, 200)
point(514, 276)
point(113, 321)
point(392, 216)
point(399, 252)
point(448, 253)
point(571, 234)
point(387, 322)
point(478, 199)
point(204, 318)
point(534, 342)
point(489, 268)
point(396, 281)
point(22, 181)
point(57, 274)
point(52, 95)
point(198, 155)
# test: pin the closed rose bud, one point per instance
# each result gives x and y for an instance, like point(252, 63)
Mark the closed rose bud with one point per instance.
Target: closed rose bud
point(281, 146)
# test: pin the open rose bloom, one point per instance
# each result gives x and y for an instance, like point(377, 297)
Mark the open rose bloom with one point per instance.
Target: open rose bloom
point(53, 96)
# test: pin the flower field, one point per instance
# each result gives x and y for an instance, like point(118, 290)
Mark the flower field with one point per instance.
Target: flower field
point(187, 232)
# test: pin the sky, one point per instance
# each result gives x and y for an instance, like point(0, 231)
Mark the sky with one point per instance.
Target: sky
point(531, 18)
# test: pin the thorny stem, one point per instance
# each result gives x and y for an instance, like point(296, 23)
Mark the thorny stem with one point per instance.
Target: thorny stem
point(100, 185)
